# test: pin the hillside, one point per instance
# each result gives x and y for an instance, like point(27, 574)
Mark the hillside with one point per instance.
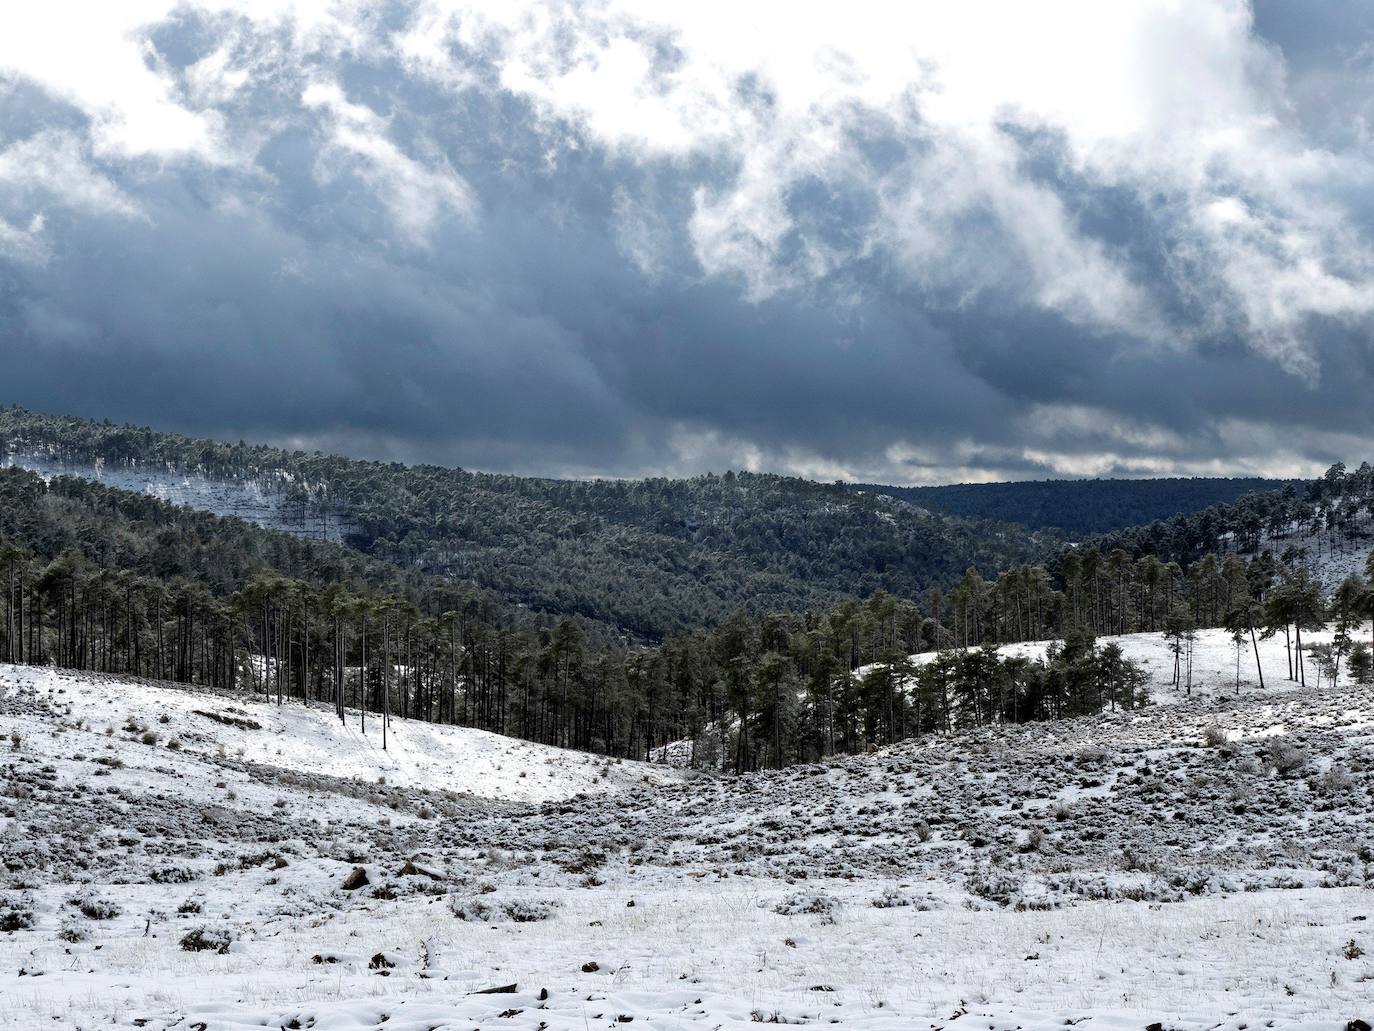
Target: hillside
point(1108, 872)
point(1081, 507)
point(1216, 673)
point(645, 558)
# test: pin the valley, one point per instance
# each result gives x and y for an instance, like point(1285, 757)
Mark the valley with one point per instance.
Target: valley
point(1191, 863)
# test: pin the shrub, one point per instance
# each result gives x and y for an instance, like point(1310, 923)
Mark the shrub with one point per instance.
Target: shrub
point(207, 940)
point(803, 902)
point(71, 932)
point(173, 875)
point(1134, 862)
point(15, 915)
point(489, 909)
point(92, 907)
point(1213, 736)
point(1285, 756)
point(891, 898)
point(1334, 780)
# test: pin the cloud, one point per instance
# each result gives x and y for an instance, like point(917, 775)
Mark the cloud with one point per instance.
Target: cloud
point(53, 166)
point(597, 237)
point(417, 196)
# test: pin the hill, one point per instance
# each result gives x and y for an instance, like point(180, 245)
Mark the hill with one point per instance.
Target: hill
point(1081, 507)
point(1191, 865)
point(645, 558)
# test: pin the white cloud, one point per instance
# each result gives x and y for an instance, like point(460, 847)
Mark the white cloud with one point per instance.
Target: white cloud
point(956, 149)
point(417, 195)
point(1175, 103)
point(96, 57)
point(53, 165)
point(25, 244)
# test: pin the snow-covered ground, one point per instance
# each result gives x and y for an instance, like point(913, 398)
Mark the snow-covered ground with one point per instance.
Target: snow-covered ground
point(1214, 657)
point(1202, 864)
point(314, 741)
point(1328, 561)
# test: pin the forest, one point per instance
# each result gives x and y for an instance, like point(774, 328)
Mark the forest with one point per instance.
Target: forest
point(1083, 507)
point(644, 559)
point(102, 579)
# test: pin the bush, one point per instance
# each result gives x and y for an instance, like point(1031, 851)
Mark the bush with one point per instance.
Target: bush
point(1213, 736)
point(93, 907)
point(173, 875)
point(71, 932)
point(207, 940)
point(15, 915)
point(1334, 780)
point(803, 902)
point(1285, 756)
point(489, 909)
point(892, 898)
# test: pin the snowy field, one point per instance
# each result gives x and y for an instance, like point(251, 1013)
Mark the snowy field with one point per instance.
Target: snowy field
point(176, 859)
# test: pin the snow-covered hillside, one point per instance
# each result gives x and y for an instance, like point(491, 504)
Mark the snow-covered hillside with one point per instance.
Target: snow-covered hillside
point(1201, 864)
point(312, 741)
point(263, 504)
point(1214, 658)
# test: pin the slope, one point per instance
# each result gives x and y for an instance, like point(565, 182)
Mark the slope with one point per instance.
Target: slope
point(648, 558)
point(1082, 507)
point(1108, 872)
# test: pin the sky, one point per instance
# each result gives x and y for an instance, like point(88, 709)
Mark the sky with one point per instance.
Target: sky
point(915, 243)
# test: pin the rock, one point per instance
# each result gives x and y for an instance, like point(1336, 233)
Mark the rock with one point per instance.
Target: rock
point(355, 880)
point(413, 869)
point(591, 967)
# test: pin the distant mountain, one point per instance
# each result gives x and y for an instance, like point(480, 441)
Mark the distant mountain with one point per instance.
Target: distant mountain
point(1081, 507)
point(645, 559)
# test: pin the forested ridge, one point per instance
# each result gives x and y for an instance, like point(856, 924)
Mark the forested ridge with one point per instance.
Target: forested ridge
point(647, 558)
point(1316, 517)
point(1083, 507)
point(120, 582)
point(115, 581)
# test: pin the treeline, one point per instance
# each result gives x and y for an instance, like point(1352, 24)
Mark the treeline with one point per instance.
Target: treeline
point(645, 559)
point(1323, 516)
point(1084, 507)
point(118, 582)
point(96, 578)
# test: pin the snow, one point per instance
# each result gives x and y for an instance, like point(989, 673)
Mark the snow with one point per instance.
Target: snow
point(262, 503)
point(314, 741)
point(1214, 661)
point(1328, 559)
point(1172, 882)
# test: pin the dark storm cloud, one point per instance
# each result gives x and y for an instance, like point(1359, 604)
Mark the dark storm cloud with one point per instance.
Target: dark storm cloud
point(386, 264)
